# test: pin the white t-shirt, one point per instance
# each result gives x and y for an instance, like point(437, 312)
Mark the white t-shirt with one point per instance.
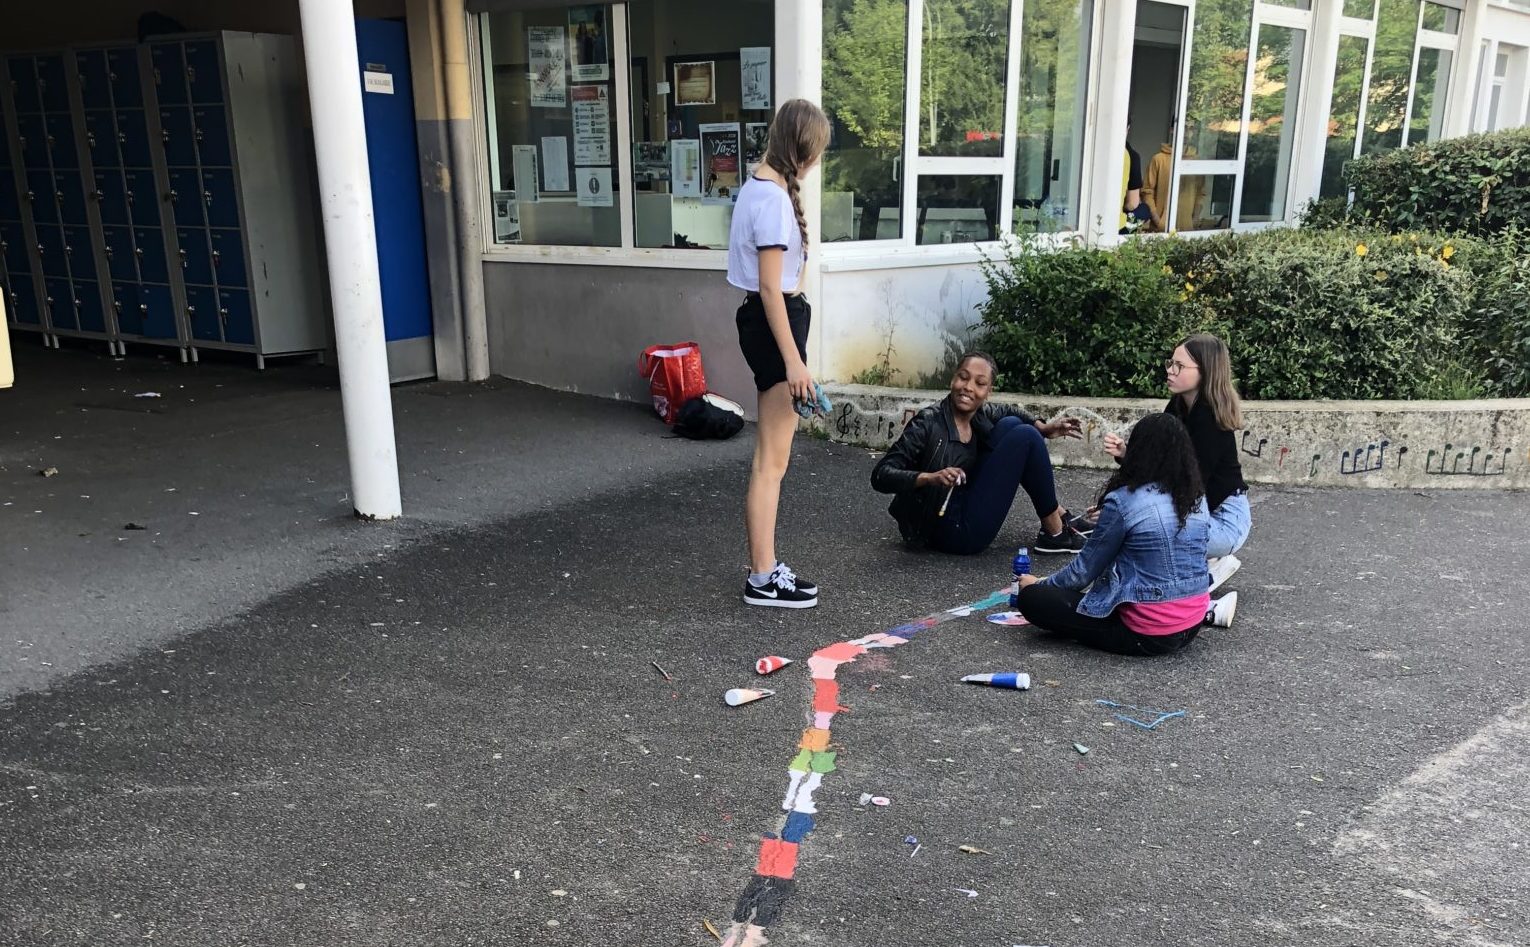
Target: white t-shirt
point(763, 217)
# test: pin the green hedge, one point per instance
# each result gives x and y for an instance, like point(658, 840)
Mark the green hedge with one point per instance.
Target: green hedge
point(1331, 313)
point(1476, 184)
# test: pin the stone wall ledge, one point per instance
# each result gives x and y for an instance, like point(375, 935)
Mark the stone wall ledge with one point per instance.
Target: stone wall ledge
point(1435, 444)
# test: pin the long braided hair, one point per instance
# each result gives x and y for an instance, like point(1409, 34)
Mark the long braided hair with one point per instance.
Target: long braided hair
point(797, 139)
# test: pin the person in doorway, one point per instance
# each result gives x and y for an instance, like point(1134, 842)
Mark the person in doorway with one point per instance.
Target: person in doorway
point(767, 247)
point(1134, 214)
point(1200, 380)
point(956, 468)
point(1156, 183)
point(1144, 566)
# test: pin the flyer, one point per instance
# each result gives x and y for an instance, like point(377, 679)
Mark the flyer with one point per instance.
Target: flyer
point(756, 137)
point(754, 68)
point(523, 165)
point(695, 83)
point(720, 163)
point(594, 187)
point(592, 125)
point(555, 164)
point(587, 42)
point(548, 61)
point(650, 161)
point(685, 167)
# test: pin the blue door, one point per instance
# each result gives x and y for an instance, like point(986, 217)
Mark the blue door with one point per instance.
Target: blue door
point(394, 159)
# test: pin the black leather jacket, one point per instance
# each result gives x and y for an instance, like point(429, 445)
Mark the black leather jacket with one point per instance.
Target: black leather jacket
point(929, 443)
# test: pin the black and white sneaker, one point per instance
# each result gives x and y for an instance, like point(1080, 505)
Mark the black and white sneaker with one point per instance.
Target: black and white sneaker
point(1068, 541)
point(1079, 523)
point(803, 585)
point(780, 592)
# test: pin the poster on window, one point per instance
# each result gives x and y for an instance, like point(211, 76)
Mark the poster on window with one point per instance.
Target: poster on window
point(523, 162)
point(555, 164)
point(754, 64)
point(588, 44)
point(592, 125)
point(594, 187)
point(650, 162)
point(685, 166)
point(720, 163)
point(695, 83)
point(756, 135)
point(507, 218)
point(548, 61)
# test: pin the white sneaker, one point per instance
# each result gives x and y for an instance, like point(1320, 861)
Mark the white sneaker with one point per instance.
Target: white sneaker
point(1222, 610)
point(1222, 569)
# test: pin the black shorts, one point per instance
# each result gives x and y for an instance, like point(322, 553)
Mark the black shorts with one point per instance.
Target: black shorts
point(759, 344)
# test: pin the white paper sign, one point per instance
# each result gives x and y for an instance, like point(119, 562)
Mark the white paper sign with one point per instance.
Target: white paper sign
point(555, 164)
point(754, 66)
point(594, 187)
point(685, 167)
point(592, 126)
point(378, 82)
point(524, 165)
point(549, 62)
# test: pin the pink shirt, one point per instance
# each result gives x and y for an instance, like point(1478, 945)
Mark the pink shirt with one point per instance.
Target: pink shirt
point(1166, 618)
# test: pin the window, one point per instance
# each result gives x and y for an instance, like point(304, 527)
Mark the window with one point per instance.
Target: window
point(1360, 9)
point(1500, 79)
point(1426, 119)
point(1441, 19)
point(1344, 113)
point(963, 65)
point(1205, 201)
point(1277, 80)
point(1218, 67)
point(1054, 85)
point(550, 105)
point(702, 101)
point(1386, 108)
point(865, 60)
point(958, 209)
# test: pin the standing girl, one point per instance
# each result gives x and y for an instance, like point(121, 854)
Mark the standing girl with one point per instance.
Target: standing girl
point(1199, 375)
point(767, 248)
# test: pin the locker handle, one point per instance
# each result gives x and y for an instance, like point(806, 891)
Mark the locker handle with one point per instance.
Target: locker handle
point(138, 252)
point(97, 196)
point(183, 258)
point(223, 313)
point(117, 305)
point(173, 196)
point(90, 140)
point(217, 257)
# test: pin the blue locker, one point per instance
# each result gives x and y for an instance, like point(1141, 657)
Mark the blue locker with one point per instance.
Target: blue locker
point(95, 78)
point(127, 88)
point(79, 252)
point(126, 307)
point(179, 137)
point(169, 73)
point(213, 150)
point(142, 197)
point(202, 314)
point(119, 254)
point(186, 197)
point(10, 201)
point(61, 144)
point(24, 84)
point(111, 197)
point(203, 71)
point(221, 197)
point(228, 257)
point(87, 296)
point(101, 139)
point(43, 196)
point(24, 300)
point(50, 250)
point(33, 131)
point(58, 297)
point(238, 319)
point(71, 196)
point(149, 247)
point(196, 258)
point(133, 138)
point(52, 84)
point(13, 245)
point(158, 308)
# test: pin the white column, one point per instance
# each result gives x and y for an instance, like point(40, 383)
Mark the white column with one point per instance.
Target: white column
point(1466, 69)
point(1317, 96)
point(1100, 220)
point(345, 185)
point(799, 75)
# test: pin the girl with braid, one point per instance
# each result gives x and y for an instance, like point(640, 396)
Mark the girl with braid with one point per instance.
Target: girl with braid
point(767, 248)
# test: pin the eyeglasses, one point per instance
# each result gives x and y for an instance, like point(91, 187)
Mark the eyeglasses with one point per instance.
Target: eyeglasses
point(1174, 367)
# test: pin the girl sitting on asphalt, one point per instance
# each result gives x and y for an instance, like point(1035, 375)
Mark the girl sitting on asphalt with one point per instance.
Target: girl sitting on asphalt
point(956, 468)
point(1145, 563)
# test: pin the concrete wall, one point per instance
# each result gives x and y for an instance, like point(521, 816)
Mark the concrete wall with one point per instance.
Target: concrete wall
point(1433, 444)
point(581, 328)
point(923, 310)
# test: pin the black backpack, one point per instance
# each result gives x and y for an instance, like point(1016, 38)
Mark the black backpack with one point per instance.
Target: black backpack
point(709, 418)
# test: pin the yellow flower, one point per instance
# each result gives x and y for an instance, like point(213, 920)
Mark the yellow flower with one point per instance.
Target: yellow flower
point(1168, 270)
point(1448, 252)
point(1361, 249)
point(1445, 263)
point(1189, 287)
point(1381, 276)
point(1396, 238)
point(1413, 237)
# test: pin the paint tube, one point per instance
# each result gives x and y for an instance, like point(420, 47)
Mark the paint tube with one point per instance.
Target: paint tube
point(744, 695)
point(1013, 680)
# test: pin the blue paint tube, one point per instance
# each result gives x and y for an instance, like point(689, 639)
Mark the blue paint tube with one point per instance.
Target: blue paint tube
point(1013, 680)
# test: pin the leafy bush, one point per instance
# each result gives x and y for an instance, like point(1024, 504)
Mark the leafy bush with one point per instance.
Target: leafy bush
point(1478, 184)
point(1337, 313)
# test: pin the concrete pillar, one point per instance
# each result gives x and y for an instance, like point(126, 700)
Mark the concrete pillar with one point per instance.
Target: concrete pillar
point(345, 185)
point(1317, 95)
point(1111, 105)
point(463, 186)
point(799, 75)
point(1465, 70)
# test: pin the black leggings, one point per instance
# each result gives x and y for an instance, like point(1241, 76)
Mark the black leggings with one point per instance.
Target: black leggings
point(1018, 458)
point(1053, 609)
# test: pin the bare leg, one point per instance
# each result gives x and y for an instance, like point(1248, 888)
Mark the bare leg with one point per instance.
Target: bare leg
point(772, 452)
point(1052, 522)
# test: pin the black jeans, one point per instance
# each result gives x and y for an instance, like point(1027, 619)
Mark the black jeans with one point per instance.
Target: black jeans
point(1017, 458)
point(1053, 609)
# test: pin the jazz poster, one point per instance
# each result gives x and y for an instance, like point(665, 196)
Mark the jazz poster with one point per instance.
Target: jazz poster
point(720, 157)
point(589, 44)
point(548, 55)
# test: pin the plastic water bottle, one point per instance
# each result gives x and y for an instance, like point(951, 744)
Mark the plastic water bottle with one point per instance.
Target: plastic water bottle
point(1022, 566)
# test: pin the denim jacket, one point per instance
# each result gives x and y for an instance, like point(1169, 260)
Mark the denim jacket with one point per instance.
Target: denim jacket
point(1139, 553)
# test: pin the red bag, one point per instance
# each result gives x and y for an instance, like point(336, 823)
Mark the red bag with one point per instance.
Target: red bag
point(674, 376)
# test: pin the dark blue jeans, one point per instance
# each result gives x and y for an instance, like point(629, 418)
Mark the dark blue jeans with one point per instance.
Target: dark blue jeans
point(1018, 458)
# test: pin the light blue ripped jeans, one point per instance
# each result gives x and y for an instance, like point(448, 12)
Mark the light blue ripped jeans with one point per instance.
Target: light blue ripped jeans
point(1230, 524)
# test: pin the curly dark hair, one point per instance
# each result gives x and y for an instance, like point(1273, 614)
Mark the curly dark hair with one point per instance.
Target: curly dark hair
point(1159, 452)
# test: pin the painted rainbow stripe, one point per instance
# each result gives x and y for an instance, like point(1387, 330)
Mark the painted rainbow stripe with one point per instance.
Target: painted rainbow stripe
point(772, 884)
